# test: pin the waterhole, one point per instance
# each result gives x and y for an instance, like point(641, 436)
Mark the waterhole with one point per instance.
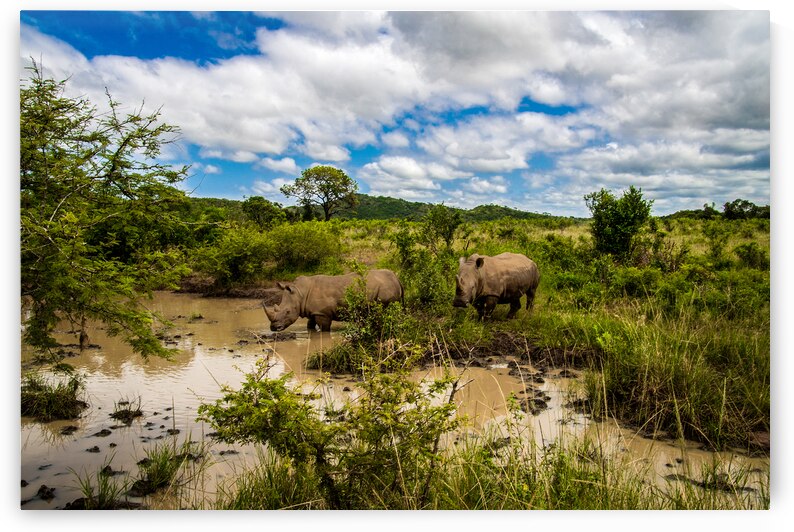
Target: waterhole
point(218, 340)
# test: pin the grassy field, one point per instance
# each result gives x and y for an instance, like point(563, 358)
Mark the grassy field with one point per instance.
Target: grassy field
point(674, 341)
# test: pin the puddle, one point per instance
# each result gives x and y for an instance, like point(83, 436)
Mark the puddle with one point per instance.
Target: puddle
point(218, 341)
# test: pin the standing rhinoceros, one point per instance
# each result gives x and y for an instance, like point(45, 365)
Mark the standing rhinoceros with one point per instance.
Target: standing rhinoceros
point(484, 281)
point(319, 297)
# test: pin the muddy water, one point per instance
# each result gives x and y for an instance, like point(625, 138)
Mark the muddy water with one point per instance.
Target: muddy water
point(217, 342)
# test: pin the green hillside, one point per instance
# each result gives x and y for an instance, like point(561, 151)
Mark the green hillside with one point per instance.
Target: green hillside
point(385, 208)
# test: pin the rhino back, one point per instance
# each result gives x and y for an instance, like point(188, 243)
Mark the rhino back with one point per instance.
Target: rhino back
point(383, 285)
point(507, 275)
point(322, 294)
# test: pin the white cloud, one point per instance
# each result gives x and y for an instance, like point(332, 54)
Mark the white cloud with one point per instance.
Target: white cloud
point(58, 59)
point(206, 169)
point(494, 185)
point(286, 165)
point(270, 190)
point(683, 95)
point(395, 139)
point(501, 143)
point(242, 156)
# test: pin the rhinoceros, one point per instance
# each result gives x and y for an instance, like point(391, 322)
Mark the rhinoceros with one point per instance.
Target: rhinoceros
point(319, 297)
point(484, 281)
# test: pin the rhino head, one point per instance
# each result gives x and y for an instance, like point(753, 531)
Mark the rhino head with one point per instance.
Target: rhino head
point(467, 281)
point(287, 312)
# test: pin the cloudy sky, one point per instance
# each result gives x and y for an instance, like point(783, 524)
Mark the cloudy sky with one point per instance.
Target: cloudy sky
point(532, 110)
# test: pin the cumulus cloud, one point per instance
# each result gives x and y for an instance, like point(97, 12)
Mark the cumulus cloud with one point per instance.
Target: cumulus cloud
point(675, 101)
point(270, 189)
point(405, 177)
point(494, 185)
point(286, 165)
point(395, 139)
point(497, 143)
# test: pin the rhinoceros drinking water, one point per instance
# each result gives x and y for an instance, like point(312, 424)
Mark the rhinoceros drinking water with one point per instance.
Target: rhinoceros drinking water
point(484, 281)
point(319, 297)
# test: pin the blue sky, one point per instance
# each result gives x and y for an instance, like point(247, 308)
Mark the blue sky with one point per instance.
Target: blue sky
point(532, 110)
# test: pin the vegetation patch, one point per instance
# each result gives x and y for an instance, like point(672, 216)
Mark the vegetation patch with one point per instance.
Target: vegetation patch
point(51, 399)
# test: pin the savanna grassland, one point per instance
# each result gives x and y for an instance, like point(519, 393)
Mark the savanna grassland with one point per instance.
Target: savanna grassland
point(674, 338)
point(668, 318)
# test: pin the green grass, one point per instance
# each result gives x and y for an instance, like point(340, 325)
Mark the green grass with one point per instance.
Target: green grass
point(166, 467)
point(50, 399)
point(487, 475)
point(104, 492)
point(273, 484)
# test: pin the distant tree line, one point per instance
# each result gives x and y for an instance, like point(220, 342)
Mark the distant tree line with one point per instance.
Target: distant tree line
point(738, 209)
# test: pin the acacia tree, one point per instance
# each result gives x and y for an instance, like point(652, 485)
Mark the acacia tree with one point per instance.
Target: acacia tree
point(617, 221)
point(326, 186)
point(87, 181)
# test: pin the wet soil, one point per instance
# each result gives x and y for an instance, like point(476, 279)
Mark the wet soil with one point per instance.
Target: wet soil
point(505, 346)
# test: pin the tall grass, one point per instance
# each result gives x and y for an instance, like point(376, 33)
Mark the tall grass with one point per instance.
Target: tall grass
point(103, 492)
point(47, 399)
point(574, 474)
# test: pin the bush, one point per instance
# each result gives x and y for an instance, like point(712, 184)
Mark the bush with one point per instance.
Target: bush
point(305, 246)
point(635, 282)
point(439, 226)
point(380, 451)
point(617, 221)
point(752, 256)
point(238, 256)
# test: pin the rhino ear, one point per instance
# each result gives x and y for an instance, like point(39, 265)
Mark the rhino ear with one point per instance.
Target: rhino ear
point(289, 287)
point(480, 262)
point(462, 261)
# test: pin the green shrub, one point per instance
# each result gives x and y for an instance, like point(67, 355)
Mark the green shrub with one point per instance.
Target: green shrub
point(752, 256)
point(240, 255)
point(305, 246)
point(438, 227)
point(377, 452)
point(560, 252)
point(717, 233)
point(635, 282)
point(616, 222)
point(48, 400)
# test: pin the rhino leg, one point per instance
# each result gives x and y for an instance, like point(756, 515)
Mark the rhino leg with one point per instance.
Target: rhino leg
point(531, 298)
point(488, 306)
point(323, 321)
point(311, 324)
point(515, 305)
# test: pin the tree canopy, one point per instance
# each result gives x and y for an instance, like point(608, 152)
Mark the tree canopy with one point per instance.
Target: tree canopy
point(264, 213)
point(325, 186)
point(97, 214)
point(617, 221)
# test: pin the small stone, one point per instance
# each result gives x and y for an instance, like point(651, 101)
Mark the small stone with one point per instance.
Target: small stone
point(46, 493)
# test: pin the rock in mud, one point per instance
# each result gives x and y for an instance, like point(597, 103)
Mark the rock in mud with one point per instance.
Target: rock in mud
point(69, 430)
point(534, 405)
point(281, 336)
point(46, 493)
point(568, 374)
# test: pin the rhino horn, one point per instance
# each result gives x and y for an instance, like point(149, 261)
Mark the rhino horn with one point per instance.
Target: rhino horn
point(270, 311)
